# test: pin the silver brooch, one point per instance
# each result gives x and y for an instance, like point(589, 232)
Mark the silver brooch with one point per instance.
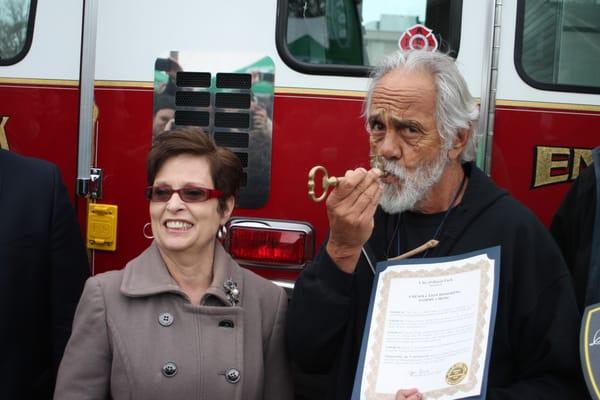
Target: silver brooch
point(232, 292)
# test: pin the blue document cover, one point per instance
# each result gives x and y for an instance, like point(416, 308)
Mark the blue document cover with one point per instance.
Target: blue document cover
point(420, 304)
point(589, 352)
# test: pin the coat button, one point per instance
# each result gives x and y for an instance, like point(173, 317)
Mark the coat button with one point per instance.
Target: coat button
point(165, 319)
point(169, 369)
point(226, 323)
point(232, 375)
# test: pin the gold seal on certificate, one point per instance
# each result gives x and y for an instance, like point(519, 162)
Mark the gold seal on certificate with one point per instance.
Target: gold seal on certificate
point(456, 373)
point(429, 327)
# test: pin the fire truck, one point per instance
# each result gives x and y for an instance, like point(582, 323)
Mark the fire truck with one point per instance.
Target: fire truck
point(86, 85)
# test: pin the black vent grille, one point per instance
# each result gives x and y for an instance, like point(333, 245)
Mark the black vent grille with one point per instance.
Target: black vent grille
point(192, 99)
point(243, 158)
point(221, 104)
point(232, 139)
point(234, 81)
point(232, 120)
point(193, 79)
point(194, 118)
point(233, 100)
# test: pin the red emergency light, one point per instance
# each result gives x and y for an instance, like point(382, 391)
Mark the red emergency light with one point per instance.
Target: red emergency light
point(268, 243)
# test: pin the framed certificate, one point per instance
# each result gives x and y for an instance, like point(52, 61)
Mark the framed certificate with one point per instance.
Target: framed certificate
point(429, 326)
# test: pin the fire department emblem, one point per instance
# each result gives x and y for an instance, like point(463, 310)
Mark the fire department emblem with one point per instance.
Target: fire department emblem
point(418, 37)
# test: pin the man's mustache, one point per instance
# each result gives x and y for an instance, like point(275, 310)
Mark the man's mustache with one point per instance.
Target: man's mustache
point(391, 168)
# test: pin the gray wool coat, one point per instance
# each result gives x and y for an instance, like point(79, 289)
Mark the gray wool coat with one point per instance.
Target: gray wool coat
point(136, 336)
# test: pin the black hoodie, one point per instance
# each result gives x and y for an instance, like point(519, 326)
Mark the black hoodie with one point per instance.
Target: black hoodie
point(535, 345)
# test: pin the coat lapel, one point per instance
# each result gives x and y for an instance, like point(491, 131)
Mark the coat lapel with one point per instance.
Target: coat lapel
point(147, 275)
point(224, 269)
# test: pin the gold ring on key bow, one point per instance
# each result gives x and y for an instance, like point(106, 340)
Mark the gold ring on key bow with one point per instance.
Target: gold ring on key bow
point(327, 182)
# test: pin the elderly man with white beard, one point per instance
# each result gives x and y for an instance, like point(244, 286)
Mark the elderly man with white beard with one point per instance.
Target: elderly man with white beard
point(422, 120)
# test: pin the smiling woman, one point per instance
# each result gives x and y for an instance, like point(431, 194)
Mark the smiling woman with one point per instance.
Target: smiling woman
point(182, 320)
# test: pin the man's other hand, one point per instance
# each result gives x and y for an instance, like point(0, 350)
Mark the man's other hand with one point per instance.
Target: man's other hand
point(408, 394)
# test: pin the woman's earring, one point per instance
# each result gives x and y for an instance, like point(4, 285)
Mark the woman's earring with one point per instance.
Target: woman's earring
point(146, 225)
point(222, 232)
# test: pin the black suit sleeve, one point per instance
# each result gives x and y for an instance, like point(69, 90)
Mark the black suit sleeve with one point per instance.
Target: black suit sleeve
point(69, 266)
point(572, 228)
point(543, 322)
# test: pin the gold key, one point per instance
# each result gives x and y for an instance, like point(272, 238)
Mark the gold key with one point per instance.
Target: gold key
point(332, 181)
point(327, 182)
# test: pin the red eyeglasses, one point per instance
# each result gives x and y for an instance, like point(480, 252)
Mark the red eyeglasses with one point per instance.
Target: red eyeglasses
point(188, 193)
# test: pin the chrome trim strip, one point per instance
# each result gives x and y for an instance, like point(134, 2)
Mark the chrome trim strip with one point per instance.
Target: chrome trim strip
point(284, 284)
point(86, 96)
point(254, 264)
point(288, 286)
point(489, 84)
point(280, 225)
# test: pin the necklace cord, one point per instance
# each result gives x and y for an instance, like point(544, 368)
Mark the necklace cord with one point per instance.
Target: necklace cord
point(452, 206)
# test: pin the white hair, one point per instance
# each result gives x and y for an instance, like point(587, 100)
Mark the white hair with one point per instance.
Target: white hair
point(455, 107)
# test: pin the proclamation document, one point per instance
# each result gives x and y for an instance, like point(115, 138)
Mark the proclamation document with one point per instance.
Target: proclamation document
point(430, 326)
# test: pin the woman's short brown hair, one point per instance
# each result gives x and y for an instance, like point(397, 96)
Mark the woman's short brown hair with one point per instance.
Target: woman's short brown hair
point(225, 167)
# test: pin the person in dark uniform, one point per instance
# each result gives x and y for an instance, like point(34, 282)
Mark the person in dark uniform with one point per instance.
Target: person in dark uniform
point(422, 120)
point(575, 229)
point(43, 267)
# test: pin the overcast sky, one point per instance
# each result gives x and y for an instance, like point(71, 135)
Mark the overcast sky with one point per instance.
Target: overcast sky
point(372, 9)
